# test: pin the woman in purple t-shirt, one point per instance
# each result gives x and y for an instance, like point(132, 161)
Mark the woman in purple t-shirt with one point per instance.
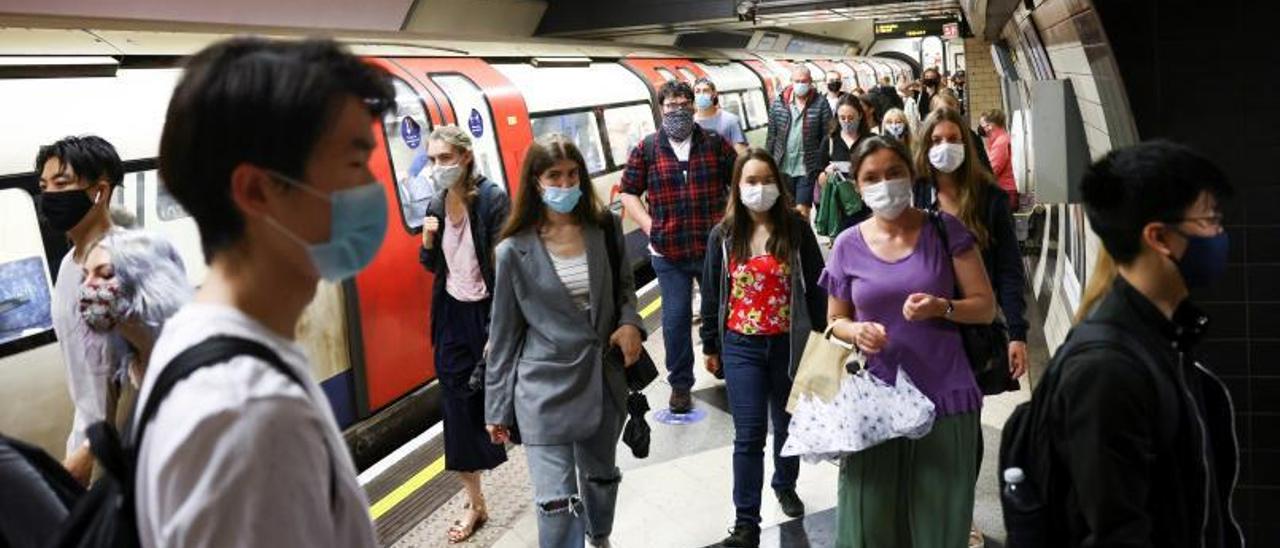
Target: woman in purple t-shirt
point(890, 283)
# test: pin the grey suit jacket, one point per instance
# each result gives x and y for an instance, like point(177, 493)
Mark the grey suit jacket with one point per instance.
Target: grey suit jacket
point(544, 371)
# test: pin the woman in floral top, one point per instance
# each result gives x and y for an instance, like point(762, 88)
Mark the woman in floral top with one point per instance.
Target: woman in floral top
point(760, 299)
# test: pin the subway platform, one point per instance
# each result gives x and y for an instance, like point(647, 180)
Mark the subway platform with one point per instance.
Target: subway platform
point(680, 496)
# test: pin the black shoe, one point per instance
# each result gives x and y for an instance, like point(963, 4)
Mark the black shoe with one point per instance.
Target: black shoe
point(792, 506)
point(743, 535)
point(681, 401)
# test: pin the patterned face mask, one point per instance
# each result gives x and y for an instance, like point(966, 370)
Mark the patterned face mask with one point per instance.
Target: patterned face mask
point(102, 306)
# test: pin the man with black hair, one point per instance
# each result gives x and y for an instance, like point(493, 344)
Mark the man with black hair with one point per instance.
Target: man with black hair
point(266, 144)
point(1141, 430)
point(685, 171)
point(77, 178)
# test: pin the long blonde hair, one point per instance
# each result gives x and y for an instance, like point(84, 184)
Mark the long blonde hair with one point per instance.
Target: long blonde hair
point(1104, 273)
point(971, 177)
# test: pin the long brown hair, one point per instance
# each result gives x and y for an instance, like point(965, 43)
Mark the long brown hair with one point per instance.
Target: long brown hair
point(971, 177)
point(738, 224)
point(528, 210)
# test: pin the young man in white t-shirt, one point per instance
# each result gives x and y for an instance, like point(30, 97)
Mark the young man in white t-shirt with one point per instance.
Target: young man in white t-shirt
point(77, 177)
point(266, 144)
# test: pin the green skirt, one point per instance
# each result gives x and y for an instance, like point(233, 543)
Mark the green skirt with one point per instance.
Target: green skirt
point(911, 493)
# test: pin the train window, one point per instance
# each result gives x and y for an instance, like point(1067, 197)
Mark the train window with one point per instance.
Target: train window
point(578, 126)
point(665, 74)
point(626, 127)
point(732, 102)
point(471, 109)
point(406, 128)
point(24, 279)
point(689, 76)
point(757, 111)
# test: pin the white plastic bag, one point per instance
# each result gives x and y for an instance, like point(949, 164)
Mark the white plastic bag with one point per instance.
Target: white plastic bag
point(865, 412)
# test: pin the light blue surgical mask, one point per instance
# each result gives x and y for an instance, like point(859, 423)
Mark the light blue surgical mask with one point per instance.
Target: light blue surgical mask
point(357, 226)
point(703, 101)
point(561, 200)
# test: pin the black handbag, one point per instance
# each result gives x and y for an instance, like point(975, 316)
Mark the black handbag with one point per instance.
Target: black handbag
point(986, 346)
point(644, 371)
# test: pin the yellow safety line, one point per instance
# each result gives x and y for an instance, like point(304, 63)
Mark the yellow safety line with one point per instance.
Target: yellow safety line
point(648, 310)
point(407, 488)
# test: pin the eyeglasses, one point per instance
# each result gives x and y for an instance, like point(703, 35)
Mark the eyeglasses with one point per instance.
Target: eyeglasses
point(1211, 221)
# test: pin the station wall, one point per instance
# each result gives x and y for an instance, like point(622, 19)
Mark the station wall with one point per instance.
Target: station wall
point(1204, 74)
point(1146, 69)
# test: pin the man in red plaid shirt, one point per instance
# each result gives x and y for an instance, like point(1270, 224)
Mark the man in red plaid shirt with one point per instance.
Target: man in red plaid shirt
point(685, 170)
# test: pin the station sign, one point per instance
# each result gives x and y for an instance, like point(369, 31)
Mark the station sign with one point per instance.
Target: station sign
point(937, 26)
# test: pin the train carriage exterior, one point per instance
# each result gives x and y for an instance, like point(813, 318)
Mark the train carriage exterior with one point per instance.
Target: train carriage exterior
point(368, 336)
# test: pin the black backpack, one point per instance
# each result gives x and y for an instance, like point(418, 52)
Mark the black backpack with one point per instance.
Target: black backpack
point(1033, 517)
point(105, 516)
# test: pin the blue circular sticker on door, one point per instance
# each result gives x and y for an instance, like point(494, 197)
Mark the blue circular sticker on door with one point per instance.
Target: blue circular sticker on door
point(411, 132)
point(476, 124)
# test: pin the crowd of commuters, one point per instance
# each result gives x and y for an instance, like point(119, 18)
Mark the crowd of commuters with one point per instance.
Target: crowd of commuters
point(267, 144)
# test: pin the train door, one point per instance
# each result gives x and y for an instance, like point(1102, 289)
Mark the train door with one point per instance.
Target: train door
point(772, 86)
point(387, 303)
point(393, 295)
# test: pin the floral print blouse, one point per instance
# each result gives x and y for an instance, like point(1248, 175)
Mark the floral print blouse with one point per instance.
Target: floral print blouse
point(759, 296)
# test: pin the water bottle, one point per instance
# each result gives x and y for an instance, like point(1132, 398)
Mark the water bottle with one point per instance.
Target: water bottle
point(1024, 513)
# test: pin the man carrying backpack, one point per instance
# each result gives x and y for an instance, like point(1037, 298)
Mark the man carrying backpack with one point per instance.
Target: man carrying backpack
point(1139, 435)
point(266, 144)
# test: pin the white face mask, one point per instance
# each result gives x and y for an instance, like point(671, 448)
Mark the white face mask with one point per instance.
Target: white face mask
point(446, 176)
point(895, 128)
point(758, 198)
point(946, 157)
point(888, 199)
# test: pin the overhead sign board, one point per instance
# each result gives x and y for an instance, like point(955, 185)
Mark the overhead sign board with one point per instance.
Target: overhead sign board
point(914, 29)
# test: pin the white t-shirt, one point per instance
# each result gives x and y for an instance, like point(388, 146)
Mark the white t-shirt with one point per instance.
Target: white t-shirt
point(239, 455)
point(681, 148)
point(86, 382)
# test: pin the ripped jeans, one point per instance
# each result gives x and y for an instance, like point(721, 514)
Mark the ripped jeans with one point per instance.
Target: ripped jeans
point(575, 485)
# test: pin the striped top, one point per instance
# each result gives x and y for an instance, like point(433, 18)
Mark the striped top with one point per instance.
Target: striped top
point(575, 277)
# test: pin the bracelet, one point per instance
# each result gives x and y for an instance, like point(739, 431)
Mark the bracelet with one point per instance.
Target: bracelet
point(951, 309)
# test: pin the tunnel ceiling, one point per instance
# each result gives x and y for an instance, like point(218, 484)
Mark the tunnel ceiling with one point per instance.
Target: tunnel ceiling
point(620, 18)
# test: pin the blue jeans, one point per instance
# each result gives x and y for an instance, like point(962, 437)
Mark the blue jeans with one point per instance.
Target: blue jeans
point(801, 189)
point(675, 281)
point(755, 374)
point(560, 472)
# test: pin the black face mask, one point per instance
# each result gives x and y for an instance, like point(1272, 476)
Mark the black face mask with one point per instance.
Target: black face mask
point(833, 86)
point(932, 82)
point(64, 210)
point(982, 132)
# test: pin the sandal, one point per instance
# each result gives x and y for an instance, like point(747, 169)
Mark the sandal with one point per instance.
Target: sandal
point(459, 532)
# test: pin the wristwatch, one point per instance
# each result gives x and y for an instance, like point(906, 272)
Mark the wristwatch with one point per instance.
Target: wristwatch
point(951, 309)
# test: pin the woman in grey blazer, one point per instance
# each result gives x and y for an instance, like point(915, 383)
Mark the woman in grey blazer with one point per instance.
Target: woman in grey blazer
point(553, 318)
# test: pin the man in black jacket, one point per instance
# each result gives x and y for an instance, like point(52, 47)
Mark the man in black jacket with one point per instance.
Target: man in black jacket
point(798, 120)
point(1148, 452)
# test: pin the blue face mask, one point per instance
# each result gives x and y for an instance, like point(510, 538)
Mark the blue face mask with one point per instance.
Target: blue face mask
point(561, 200)
point(357, 226)
point(702, 100)
point(1204, 260)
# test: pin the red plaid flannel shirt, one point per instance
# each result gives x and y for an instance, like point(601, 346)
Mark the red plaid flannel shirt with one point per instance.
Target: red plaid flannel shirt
point(683, 211)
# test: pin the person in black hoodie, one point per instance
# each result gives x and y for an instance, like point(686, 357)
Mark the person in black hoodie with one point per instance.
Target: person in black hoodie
point(1149, 453)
